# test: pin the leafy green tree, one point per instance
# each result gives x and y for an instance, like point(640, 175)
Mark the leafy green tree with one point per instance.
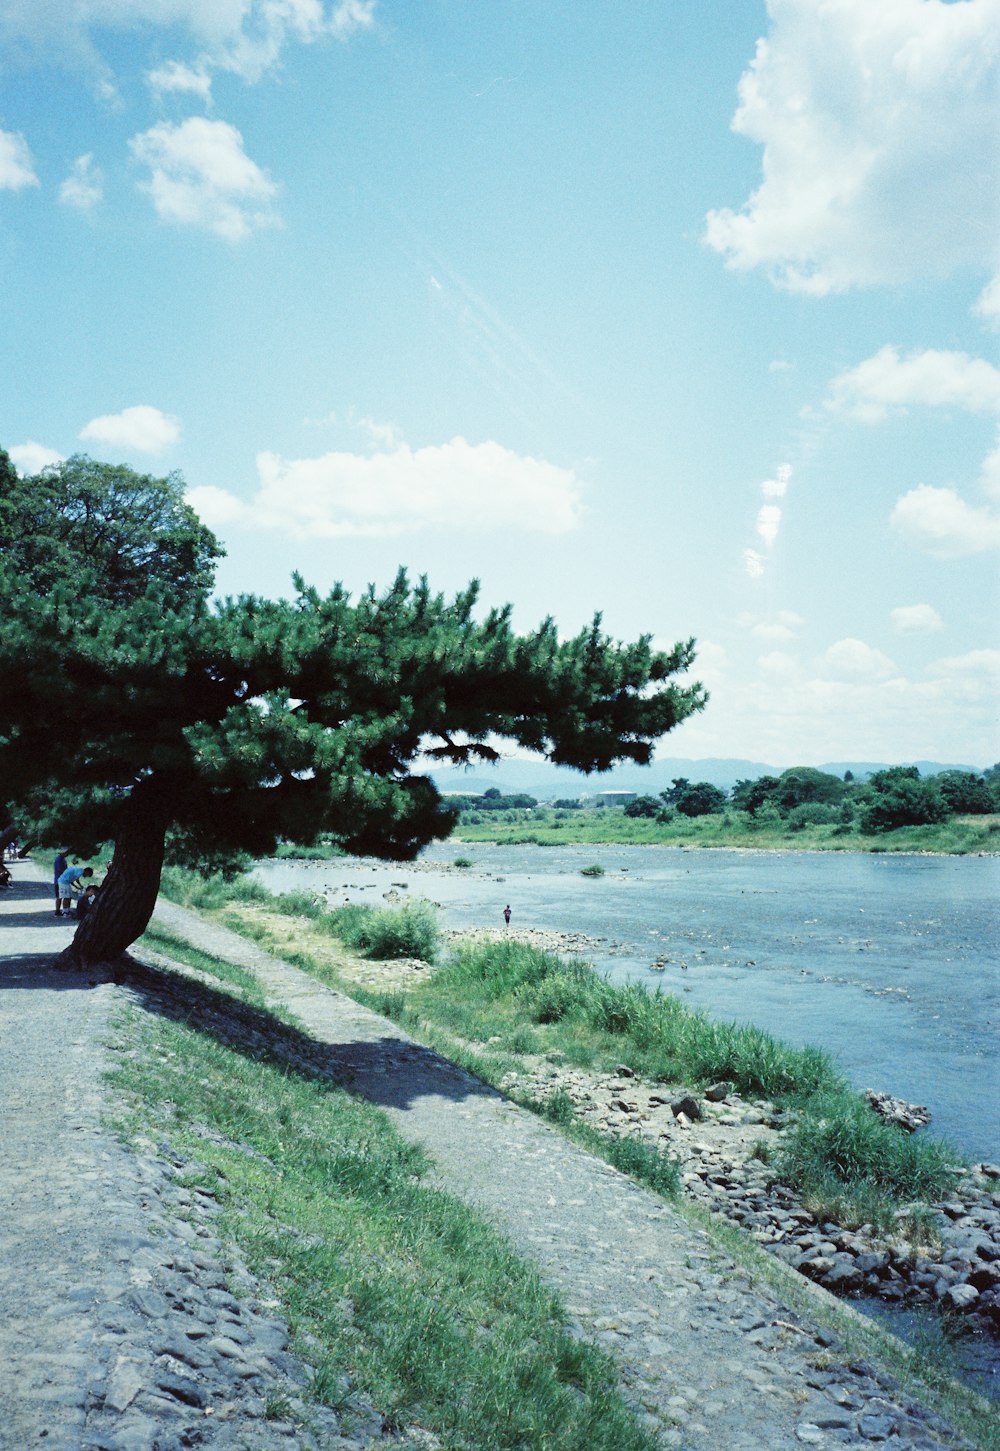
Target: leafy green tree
point(643, 806)
point(136, 711)
point(802, 785)
point(898, 797)
point(965, 793)
point(701, 799)
point(750, 796)
point(679, 785)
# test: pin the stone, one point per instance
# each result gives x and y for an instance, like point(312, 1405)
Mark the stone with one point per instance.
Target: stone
point(717, 1093)
point(688, 1106)
point(124, 1384)
point(876, 1427)
point(182, 1389)
point(960, 1297)
point(908, 1116)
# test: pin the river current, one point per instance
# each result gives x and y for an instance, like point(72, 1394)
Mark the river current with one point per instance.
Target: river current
point(890, 963)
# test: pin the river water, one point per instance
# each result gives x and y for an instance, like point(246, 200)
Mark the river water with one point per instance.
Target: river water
point(889, 962)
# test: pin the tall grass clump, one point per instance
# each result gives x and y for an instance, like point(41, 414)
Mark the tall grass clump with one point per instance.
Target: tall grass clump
point(210, 892)
point(407, 931)
point(846, 1157)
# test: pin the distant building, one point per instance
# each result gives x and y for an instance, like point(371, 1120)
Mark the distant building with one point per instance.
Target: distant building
point(615, 798)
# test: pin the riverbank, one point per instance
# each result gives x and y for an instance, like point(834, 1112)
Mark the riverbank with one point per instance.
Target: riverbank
point(713, 1350)
point(732, 830)
point(729, 1147)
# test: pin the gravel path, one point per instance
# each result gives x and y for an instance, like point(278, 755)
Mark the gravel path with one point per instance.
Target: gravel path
point(124, 1328)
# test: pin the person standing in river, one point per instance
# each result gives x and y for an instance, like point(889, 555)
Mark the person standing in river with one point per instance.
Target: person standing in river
point(506, 915)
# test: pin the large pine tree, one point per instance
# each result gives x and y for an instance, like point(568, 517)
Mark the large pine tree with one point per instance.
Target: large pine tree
point(135, 710)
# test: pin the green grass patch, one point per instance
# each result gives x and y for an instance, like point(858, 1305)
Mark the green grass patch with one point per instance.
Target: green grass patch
point(392, 1287)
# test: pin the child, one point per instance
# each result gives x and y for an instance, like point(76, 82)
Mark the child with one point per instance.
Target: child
point(87, 900)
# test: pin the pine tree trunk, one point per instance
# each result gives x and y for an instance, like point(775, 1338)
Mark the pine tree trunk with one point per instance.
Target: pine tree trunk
point(126, 900)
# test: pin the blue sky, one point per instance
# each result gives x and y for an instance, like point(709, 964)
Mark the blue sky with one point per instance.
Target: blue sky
point(686, 312)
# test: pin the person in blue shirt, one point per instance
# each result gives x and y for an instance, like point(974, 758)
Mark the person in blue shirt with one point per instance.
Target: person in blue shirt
point(67, 881)
point(58, 867)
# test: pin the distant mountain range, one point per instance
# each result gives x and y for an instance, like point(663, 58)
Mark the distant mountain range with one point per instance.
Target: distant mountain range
point(545, 781)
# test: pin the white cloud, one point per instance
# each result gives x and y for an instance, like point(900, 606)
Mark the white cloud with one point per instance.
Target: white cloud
point(242, 36)
point(753, 562)
point(976, 663)
point(787, 716)
point(887, 382)
point(777, 628)
point(989, 474)
point(174, 77)
point(201, 176)
point(777, 487)
point(768, 523)
point(142, 429)
point(916, 619)
point(456, 485)
point(937, 519)
point(852, 659)
point(943, 523)
point(987, 304)
point(31, 458)
point(84, 187)
point(16, 167)
point(878, 128)
point(777, 662)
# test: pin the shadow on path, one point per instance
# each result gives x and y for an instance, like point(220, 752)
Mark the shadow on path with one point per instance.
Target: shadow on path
point(390, 1071)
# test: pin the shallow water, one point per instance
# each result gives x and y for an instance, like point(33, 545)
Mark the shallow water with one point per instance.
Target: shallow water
point(889, 962)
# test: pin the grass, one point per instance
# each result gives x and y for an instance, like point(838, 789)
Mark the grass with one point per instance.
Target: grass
point(393, 1289)
point(845, 1162)
point(544, 826)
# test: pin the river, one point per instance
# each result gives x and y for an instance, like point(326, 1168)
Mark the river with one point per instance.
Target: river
point(888, 962)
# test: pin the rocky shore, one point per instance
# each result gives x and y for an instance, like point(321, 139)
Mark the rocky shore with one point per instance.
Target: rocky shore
point(945, 1254)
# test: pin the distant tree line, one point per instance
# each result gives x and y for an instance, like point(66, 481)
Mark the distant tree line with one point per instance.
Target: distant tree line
point(804, 796)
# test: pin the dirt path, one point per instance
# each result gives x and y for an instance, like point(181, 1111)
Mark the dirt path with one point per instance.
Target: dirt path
point(121, 1329)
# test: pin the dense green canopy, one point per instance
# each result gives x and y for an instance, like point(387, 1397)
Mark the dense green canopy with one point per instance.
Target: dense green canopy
point(128, 695)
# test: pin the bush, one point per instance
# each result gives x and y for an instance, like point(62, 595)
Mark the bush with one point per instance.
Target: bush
point(965, 793)
point(407, 931)
point(811, 813)
point(642, 806)
point(559, 995)
point(595, 870)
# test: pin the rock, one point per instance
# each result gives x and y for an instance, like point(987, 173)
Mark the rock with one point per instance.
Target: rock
point(876, 1428)
point(908, 1116)
point(717, 1092)
point(844, 1274)
point(960, 1297)
point(124, 1384)
point(687, 1106)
